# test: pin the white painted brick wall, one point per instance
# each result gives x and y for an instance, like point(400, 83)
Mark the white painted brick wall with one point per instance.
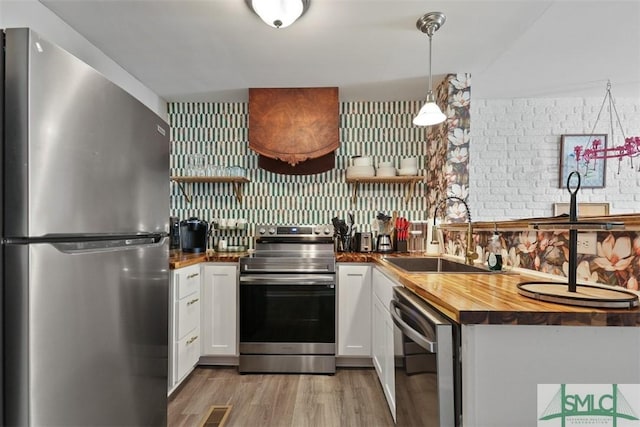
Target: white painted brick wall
point(515, 155)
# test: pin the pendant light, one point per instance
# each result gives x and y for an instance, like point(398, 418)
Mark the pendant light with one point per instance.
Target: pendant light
point(278, 13)
point(430, 113)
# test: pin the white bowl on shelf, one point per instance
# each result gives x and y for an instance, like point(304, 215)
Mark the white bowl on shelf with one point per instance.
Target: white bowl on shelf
point(360, 171)
point(362, 161)
point(386, 171)
point(408, 171)
point(385, 165)
point(409, 162)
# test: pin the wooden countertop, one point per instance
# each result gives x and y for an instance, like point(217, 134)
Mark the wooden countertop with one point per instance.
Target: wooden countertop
point(468, 298)
point(179, 259)
point(493, 298)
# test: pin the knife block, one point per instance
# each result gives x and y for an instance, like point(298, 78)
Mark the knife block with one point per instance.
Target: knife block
point(401, 245)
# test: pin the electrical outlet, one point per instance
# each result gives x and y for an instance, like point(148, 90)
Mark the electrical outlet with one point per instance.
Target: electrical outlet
point(587, 243)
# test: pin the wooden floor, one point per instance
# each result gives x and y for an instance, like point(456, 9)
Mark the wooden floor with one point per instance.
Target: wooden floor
point(350, 398)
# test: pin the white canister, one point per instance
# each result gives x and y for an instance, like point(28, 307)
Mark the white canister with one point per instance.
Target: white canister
point(222, 245)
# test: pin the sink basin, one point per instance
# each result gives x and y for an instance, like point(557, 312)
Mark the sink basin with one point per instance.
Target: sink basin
point(435, 265)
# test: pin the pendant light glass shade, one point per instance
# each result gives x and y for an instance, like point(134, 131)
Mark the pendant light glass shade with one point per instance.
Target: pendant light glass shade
point(279, 13)
point(430, 114)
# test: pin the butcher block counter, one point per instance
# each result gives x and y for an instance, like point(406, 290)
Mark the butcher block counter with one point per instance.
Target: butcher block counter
point(178, 259)
point(493, 298)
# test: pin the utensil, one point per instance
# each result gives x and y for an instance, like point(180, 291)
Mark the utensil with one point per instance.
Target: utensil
point(336, 225)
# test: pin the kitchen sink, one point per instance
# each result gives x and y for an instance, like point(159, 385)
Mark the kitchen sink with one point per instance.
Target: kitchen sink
point(435, 265)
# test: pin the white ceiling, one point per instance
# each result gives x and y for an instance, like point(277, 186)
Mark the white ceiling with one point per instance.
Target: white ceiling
point(213, 50)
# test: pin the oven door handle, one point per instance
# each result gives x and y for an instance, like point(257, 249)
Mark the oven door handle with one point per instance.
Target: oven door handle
point(288, 279)
point(419, 338)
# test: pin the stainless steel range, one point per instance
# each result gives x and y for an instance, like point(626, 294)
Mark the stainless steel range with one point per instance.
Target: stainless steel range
point(288, 301)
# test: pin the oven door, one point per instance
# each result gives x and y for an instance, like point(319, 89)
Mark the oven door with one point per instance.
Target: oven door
point(287, 314)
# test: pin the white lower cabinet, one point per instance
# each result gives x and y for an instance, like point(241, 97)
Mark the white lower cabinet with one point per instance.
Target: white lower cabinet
point(184, 328)
point(354, 309)
point(383, 336)
point(219, 310)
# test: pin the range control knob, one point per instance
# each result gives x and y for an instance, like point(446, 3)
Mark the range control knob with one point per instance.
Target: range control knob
point(316, 230)
point(272, 230)
point(327, 231)
point(261, 230)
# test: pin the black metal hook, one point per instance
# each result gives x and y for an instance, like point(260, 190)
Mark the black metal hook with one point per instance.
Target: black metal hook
point(573, 191)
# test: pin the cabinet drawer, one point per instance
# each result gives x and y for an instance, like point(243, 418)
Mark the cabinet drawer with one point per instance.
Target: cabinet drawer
point(188, 281)
point(188, 313)
point(188, 353)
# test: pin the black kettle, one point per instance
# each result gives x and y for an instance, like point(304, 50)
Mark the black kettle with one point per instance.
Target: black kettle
point(193, 235)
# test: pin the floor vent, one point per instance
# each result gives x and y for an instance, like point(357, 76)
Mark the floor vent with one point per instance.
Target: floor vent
point(216, 417)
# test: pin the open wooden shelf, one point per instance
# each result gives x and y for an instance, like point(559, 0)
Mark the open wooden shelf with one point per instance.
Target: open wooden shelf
point(236, 182)
point(409, 181)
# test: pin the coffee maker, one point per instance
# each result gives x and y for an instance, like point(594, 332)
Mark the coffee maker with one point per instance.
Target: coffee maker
point(193, 235)
point(383, 243)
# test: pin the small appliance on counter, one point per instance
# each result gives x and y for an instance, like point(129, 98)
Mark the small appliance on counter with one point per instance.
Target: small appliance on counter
point(383, 243)
point(363, 242)
point(174, 232)
point(193, 235)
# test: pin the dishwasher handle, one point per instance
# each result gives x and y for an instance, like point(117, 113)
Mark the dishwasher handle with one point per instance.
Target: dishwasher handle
point(419, 338)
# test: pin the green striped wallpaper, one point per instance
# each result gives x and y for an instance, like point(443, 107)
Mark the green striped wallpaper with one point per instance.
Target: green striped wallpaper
point(219, 131)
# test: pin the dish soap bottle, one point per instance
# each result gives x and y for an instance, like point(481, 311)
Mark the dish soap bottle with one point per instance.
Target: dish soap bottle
point(494, 260)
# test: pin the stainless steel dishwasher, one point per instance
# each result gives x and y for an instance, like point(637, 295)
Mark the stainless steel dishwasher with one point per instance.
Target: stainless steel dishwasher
point(427, 373)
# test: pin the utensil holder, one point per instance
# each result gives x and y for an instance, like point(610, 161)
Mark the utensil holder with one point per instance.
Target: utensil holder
point(343, 244)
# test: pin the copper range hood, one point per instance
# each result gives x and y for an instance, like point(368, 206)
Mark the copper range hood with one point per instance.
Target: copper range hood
point(294, 130)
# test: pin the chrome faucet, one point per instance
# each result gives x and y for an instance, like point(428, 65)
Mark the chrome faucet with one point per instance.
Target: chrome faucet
point(470, 255)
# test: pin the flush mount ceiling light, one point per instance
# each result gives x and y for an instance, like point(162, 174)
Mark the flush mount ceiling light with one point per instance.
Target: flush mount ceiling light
point(430, 113)
point(278, 13)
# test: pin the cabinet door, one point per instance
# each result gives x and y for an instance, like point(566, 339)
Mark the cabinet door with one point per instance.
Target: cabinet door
point(383, 287)
point(377, 337)
point(389, 365)
point(354, 310)
point(220, 314)
point(383, 336)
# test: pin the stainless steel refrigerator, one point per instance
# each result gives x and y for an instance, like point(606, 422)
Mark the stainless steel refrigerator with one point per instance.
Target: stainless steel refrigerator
point(85, 209)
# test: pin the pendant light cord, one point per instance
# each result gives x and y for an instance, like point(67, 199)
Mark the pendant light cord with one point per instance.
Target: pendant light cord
point(430, 74)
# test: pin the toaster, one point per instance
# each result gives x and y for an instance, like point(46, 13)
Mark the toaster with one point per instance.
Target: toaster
point(363, 242)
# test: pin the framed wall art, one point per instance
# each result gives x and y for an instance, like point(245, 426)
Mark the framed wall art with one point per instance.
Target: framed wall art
point(584, 209)
point(572, 158)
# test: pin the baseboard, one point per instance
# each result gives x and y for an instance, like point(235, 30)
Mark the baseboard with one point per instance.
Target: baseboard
point(341, 361)
point(354, 362)
point(219, 360)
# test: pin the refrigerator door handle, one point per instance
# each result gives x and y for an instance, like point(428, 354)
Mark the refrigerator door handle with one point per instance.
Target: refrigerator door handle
point(110, 245)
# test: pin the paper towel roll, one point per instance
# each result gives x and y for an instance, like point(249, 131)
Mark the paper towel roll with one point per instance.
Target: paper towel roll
point(432, 249)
